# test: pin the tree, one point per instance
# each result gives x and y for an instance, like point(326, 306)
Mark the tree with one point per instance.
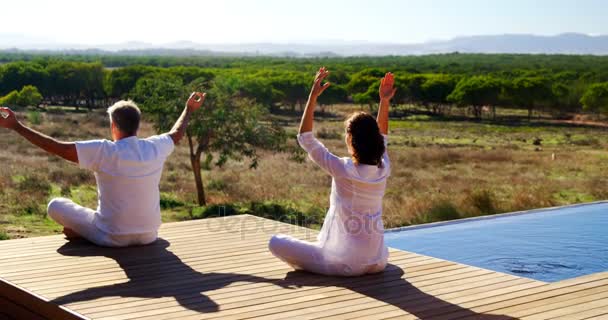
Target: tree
point(369, 97)
point(120, 82)
point(529, 92)
point(291, 89)
point(476, 92)
point(409, 88)
point(561, 94)
point(435, 92)
point(360, 82)
point(229, 126)
point(596, 98)
point(334, 94)
point(14, 76)
point(160, 96)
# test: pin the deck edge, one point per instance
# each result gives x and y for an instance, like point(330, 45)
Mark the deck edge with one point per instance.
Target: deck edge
point(35, 303)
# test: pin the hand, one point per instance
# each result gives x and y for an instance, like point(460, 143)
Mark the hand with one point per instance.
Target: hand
point(387, 92)
point(195, 101)
point(318, 87)
point(7, 118)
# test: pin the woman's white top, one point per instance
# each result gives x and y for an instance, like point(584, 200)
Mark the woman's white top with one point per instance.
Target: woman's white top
point(353, 232)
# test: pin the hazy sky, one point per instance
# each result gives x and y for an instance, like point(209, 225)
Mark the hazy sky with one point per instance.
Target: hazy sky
point(237, 21)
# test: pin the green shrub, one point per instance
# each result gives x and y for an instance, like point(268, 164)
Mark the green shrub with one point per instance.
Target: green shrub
point(441, 211)
point(216, 210)
point(218, 185)
point(34, 117)
point(284, 212)
point(28, 96)
point(4, 236)
point(328, 134)
point(33, 184)
point(167, 202)
point(483, 200)
point(280, 211)
point(11, 99)
point(32, 208)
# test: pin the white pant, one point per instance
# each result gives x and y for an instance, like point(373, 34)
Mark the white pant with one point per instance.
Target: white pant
point(81, 220)
point(305, 255)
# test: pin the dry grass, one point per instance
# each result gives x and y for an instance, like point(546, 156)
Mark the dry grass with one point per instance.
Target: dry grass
point(441, 170)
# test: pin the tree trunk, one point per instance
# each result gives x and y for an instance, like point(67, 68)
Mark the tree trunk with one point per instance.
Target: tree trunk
point(195, 161)
point(198, 179)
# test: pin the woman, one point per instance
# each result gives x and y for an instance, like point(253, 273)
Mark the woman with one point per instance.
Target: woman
point(351, 241)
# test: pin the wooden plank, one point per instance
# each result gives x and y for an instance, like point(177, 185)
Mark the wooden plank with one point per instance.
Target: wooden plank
point(402, 299)
point(232, 291)
point(32, 301)
point(235, 293)
point(571, 306)
point(532, 309)
point(317, 286)
point(310, 299)
point(595, 313)
point(16, 311)
point(50, 253)
point(399, 305)
point(488, 305)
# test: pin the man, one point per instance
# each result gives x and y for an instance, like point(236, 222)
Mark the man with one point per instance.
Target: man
point(127, 170)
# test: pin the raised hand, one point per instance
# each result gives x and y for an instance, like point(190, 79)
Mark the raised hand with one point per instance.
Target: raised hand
point(195, 101)
point(387, 90)
point(7, 118)
point(318, 87)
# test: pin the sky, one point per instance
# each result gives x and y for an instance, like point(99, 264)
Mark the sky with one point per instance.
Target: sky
point(284, 21)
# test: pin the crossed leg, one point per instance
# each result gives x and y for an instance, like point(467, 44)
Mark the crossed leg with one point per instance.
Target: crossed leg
point(77, 221)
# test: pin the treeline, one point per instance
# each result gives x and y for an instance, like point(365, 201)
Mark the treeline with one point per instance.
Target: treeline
point(555, 83)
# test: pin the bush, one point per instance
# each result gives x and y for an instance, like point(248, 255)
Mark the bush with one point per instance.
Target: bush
point(3, 236)
point(327, 134)
point(217, 210)
point(34, 117)
point(218, 185)
point(483, 201)
point(442, 211)
point(284, 212)
point(11, 99)
point(35, 185)
point(28, 96)
point(167, 202)
point(279, 211)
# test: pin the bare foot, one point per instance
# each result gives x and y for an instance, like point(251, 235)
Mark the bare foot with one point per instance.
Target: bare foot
point(70, 234)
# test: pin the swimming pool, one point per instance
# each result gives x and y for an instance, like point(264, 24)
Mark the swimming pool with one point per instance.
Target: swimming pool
point(547, 245)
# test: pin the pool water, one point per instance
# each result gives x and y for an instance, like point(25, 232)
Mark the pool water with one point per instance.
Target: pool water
point(546, 245)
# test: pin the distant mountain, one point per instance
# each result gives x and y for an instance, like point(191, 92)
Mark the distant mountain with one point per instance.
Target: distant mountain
point(568, 43)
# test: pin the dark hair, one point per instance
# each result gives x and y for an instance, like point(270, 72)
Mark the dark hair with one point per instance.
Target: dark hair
point(126, 116)
point(365, 139)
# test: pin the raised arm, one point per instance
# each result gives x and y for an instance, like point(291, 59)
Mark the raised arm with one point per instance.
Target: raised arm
point(317, 88)
point(66, 150)
point(387, 92)
point(195, 101)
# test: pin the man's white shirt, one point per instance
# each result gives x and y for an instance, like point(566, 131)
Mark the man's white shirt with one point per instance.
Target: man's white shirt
point(128, 174)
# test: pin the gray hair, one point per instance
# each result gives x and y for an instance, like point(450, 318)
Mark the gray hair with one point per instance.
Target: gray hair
point(126, 116)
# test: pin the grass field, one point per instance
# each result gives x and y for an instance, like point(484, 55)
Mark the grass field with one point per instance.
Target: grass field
point(442, 169)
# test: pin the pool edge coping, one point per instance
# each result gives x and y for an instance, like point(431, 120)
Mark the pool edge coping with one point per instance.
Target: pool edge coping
point(490, 217)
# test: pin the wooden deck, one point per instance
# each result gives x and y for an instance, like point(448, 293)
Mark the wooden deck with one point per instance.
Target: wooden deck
point(221, 268)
